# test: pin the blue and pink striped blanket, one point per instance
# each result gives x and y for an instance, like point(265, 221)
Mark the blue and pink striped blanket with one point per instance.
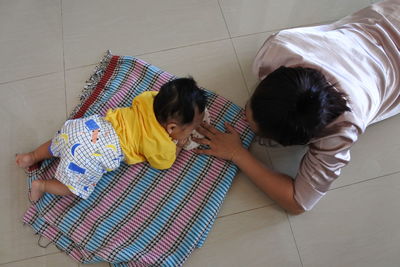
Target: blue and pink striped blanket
point(138, 216)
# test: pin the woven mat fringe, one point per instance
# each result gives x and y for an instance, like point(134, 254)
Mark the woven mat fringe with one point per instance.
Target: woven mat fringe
point(92, 82)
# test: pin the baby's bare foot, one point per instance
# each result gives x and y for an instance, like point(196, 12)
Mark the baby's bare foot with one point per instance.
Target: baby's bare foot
point(36, 190)
point(25, 160)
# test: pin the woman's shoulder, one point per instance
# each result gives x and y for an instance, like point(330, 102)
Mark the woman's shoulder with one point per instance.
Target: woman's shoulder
point(289, 48)
point(337, 136)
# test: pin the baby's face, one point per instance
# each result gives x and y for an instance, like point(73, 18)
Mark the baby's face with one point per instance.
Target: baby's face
point(182, 132)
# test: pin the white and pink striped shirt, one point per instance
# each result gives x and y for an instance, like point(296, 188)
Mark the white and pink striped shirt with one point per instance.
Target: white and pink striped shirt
point(361, 55)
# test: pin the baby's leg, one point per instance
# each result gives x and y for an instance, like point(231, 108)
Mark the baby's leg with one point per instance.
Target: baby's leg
point(28, 159)
point(53, 186)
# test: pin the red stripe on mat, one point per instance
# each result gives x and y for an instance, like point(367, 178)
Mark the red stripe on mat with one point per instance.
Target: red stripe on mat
point(99, 87)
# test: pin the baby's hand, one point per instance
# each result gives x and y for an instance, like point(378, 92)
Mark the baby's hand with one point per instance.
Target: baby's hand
point(182, 142)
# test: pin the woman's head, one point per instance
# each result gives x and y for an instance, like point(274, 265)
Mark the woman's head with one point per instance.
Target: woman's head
point(179, 107)
point(293, 105)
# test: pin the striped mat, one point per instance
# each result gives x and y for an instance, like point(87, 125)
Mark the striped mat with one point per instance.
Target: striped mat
point(137, 215)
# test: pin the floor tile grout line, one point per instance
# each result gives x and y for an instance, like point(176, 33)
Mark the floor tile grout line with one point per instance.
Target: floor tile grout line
point(153, 52)
point(243, 211)
point(83, 66)
point(223, 17)
point(216, 40)
point(158, 51)
point(168, 49)
point(63, 52)
point(182, 46)
point(29, 77)
point(34, 257)
point(241, 69)
point(283, 28)
point(363, 181)
point(294, 238)
point(94, 64)
point(234, 48)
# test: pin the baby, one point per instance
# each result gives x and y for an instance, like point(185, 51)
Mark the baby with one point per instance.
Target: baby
point(154, 129)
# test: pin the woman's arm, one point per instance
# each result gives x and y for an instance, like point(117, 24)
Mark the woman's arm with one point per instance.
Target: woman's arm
point(277, 186)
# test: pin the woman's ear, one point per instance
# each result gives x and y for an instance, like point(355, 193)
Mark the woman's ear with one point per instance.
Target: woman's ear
point(170, 127)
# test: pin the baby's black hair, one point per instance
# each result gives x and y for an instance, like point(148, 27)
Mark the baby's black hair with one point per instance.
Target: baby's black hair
point(178, 100)
point(293, 105)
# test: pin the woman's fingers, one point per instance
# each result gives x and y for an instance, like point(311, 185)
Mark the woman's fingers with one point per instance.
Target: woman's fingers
point(203, 131)
point(209, 128)
point(210, 133)
point(202, 141)
point(220, 144)
point(203, 151)
point(230, 128)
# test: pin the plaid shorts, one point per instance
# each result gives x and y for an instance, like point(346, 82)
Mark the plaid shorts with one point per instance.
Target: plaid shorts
point(87, 148)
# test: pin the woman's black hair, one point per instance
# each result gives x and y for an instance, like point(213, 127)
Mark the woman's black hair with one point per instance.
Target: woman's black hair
point(293, 105)
point(178, 100)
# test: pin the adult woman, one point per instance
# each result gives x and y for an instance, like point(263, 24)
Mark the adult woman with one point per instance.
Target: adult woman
point(337, 80)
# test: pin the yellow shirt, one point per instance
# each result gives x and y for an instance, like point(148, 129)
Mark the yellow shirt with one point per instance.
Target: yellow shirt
point(141, 137)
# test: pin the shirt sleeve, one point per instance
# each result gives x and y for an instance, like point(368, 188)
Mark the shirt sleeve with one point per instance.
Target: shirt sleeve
point(274, 53)
point(161, 161)
point(321, 165)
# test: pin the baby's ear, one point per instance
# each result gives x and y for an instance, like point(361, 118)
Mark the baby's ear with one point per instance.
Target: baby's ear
point(170, 126)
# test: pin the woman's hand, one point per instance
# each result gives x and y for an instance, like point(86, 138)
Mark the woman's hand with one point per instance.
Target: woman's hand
point(222, 145)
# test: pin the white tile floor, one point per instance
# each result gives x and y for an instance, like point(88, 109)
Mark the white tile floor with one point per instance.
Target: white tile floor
point(49, 47)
